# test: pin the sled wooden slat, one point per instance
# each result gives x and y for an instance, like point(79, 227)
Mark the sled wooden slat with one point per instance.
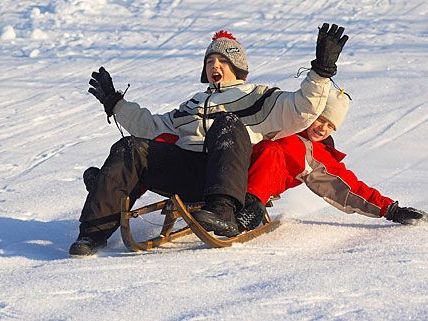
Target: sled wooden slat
point(166, 235)
point(172, 209)
point(146, 209)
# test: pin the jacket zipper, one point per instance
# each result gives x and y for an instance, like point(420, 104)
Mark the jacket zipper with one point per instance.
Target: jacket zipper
point(204, 117)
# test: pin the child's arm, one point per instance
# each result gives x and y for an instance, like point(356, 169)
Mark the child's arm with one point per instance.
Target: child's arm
point(288, 113)
point(339, 186)
point(331, 180)
point(140, 122)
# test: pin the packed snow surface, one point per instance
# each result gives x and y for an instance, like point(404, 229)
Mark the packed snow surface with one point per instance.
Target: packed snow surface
point(320, 264)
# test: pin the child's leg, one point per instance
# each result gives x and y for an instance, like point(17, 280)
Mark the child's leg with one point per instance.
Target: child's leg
point(267, 173)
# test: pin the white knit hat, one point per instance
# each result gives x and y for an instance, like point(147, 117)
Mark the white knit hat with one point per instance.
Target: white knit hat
point(337, 107)
point(225, 44)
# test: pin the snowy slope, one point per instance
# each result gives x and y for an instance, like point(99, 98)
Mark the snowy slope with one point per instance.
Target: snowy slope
point(320, 264)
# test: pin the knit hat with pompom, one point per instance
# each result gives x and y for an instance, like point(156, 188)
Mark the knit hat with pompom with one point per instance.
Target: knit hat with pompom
point(225, 44)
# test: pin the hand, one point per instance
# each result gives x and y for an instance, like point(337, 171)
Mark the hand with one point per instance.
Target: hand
point(252, 214)
point(103, 89)
point(405, 215)
point(329, 46)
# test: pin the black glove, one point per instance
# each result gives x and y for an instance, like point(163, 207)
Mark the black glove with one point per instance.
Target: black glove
point(329, 46)
point(405, 215)
point(103, 89)
point(251, 215)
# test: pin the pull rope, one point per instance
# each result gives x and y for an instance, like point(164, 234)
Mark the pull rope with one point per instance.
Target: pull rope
point(300, 71)
point(342, 90)
point(124, 93)
point(118, 126)
point(180, 219)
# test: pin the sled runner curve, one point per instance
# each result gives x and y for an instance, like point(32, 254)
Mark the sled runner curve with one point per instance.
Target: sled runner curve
point(173, 208)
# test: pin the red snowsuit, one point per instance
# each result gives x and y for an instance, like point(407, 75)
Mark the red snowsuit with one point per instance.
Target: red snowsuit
point(285, 163)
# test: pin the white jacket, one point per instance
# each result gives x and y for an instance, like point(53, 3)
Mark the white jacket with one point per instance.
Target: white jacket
point(266, 112)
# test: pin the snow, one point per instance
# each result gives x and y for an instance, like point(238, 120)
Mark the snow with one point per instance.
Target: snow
point(320, 264)
point(8, 33)
point(38, 34)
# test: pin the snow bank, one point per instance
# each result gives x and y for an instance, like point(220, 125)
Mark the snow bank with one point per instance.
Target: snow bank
point(38, 34)
point(8, 33)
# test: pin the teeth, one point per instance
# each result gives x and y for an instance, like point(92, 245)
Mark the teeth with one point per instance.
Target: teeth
point(216, 76)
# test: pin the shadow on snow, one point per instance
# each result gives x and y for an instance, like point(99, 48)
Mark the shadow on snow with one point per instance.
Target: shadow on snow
point(36, 240)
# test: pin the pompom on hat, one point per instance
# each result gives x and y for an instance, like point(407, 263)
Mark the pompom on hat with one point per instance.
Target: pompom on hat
point(337, 107)
point(225, 44)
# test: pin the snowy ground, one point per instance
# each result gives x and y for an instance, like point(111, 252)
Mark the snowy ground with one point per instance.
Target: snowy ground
point(319, 265)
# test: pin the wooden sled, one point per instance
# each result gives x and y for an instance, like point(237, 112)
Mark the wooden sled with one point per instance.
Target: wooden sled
point(173, 209)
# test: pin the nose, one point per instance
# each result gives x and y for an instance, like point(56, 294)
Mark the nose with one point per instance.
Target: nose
point(216, 62)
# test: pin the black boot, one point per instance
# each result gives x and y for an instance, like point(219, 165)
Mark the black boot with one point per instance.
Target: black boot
point(218, 215)
point(90, 178)
point(251, 215)
point(85, 246)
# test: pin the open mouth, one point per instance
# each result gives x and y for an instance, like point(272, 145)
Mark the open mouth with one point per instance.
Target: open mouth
point(216, 76)
point(318, 133)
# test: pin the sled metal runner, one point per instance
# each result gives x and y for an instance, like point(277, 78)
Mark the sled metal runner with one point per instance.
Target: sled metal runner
point(173, 209)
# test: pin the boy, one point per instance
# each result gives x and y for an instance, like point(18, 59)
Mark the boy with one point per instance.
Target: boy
point(215, 131)
point(304, 158)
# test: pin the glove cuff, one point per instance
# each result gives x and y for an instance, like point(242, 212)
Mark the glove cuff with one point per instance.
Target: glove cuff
point(323, 71)
point(111, 101)
point(391, 212)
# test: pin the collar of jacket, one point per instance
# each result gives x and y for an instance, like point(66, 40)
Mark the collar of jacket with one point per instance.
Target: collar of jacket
point(224, 86)
point(337, 154)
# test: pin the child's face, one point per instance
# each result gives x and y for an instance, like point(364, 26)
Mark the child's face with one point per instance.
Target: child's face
point(320, 129)
point(219, 70)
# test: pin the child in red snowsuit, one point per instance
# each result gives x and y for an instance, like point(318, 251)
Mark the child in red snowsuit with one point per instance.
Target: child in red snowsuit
point(304, 158)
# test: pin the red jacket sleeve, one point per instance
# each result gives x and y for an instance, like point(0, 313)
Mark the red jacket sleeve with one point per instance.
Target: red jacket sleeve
point(339, 186)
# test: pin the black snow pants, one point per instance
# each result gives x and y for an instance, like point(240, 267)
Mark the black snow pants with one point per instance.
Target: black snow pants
point(168, 169)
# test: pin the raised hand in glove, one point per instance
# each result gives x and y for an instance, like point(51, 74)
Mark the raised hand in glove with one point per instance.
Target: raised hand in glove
point(405, 215)
point(329, 46)
point(103, 89)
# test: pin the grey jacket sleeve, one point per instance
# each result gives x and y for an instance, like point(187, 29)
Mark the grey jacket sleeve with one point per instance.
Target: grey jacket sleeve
point(293, 112)
point(140, 122)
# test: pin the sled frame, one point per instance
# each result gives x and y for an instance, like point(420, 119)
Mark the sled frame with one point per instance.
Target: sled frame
point(173, 208)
